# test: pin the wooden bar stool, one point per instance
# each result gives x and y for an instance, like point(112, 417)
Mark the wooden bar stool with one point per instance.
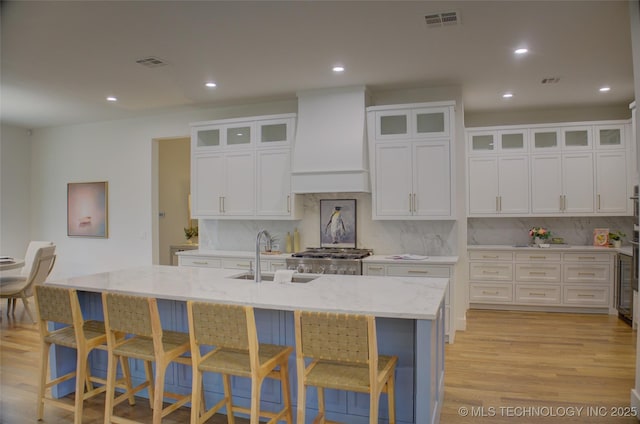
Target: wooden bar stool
point(232, 330)
point(61, 305)
point(138, 317)
point(344, 353)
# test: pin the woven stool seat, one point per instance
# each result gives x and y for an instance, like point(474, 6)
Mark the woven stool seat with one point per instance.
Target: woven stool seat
point(231, 329)
point(61, 306)
point(344, 356)
point(139, 318)
point(67, 336)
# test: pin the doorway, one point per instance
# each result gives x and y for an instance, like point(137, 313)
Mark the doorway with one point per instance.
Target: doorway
point(174, 186)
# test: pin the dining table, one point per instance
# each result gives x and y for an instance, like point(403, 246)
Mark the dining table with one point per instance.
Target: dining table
point(7, 264)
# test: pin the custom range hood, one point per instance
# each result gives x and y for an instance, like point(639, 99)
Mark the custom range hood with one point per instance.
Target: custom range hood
point(330, 152)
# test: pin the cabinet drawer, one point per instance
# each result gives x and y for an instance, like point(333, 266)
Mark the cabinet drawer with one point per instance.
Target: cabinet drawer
point(490, 255)
point(586, 273)
point(373, 269)
point(577, 295)
point(587, 257)
point(276, 265)
point(239, 263)
point(491, 271)
point(542, 272)
point(201, 261)
point(490, 293)
point(535, 256)
point(417, 271)
point(537, 295)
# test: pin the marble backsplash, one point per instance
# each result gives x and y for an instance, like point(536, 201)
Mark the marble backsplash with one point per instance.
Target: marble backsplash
point(384, 237)
point(574, 230)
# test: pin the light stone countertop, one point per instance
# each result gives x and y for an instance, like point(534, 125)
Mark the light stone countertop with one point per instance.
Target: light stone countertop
point(391, 297)
point(560, 247)
point(430, 260)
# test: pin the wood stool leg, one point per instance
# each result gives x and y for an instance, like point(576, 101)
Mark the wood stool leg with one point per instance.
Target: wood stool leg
point(391, 398)
point(44, 370)
point(302, 392)
point(373, 407)
point(161, 368)
point(286, 391)
point(197, 398)
point(256, 384)
point(112, 364)
point(321, 411)
point(226, 381)
point(81, 381)
point(148, 372)
point(126, 375)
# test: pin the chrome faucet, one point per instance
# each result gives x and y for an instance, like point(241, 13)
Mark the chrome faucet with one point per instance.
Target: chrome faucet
point(258, 273)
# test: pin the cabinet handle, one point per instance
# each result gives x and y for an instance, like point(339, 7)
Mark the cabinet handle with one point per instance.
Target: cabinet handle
point(289, 203)
point(223, 208)
point(201, 262)
point(489, 257)
point(585, 295)
point(537, 257)
point(415, 203)
point(592, 274)
point(243, 265)
point(410, 203)
point(598, 198)
point(537, 273)
point(500, 203)
point(484, 271)
point(537, 294)
point(415, 271)
point(488, 292)
point(497, 206)
point(376, 268)
point(561, 203)
point(586, 258)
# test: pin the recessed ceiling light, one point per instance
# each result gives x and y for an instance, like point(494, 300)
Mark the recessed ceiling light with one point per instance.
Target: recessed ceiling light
point(507, 95)
point(112, 99)
point(521, 51)
point(605, 89)
point(338, 68)
point(211, 84)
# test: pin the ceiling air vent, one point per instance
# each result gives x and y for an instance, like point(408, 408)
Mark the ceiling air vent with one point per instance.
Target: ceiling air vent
point(151, 62)
point(550, 80)
point(436, 20)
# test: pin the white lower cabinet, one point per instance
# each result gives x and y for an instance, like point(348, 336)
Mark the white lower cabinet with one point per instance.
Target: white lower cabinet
point(419, 270)
point(541, 279)
point(238, 261)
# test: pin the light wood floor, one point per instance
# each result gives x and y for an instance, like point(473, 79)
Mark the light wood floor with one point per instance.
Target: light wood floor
point(514, 364)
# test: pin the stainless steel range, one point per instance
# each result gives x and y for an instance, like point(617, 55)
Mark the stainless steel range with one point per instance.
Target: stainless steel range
point(328, 260)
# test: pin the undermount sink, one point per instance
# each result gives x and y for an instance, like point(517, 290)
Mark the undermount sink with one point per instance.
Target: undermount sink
point(269, 277)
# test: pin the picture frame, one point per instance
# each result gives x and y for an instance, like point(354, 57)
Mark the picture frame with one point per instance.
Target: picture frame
point(87, 209)
point(338, 223)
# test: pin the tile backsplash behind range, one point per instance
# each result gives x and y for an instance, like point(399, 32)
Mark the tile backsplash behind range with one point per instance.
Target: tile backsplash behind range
point(574, 230)
point(384, 237)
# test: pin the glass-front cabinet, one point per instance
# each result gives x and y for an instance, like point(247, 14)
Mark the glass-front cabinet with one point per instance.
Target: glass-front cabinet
point(413, 123)
point(507, 141)
point(545, 139)
point(609, 136)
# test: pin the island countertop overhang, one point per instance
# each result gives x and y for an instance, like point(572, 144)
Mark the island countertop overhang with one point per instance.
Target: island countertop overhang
point(389, 297)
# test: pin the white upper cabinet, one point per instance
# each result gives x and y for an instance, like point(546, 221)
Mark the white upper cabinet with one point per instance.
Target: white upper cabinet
point(241, 169)
point(577, 169)
point(412, 123)
point(410, 152)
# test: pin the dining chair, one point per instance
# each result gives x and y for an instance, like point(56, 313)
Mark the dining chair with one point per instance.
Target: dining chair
point(61, 306)
point(24, 271)
point(14, 287)
point(344, 356)
point(231, 331)
point(139, 319)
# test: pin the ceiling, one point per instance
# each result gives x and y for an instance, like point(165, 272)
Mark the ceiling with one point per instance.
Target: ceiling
point(59, 60)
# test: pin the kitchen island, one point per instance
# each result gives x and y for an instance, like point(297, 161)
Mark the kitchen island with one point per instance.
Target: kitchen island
point(410, 324)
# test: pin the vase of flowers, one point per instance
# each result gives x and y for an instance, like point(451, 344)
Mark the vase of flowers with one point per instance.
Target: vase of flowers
point(539, 235)
point(191, 234)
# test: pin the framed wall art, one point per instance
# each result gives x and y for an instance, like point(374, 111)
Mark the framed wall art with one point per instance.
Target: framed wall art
point(338, 223)
point(87, 210)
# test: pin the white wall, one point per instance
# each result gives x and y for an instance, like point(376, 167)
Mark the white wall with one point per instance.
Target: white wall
point(119, 152)
point(15, 177)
